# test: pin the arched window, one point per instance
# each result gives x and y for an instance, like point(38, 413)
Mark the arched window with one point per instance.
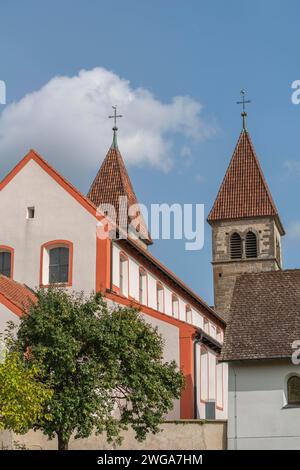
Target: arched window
point(175, 306)
point(56, 263)
point(6, 261)
point(143, 286)
point(293, 390)
point(188, 314)
point(124, 275)
point(235, 246)
point(160, 297)
point(251, 245)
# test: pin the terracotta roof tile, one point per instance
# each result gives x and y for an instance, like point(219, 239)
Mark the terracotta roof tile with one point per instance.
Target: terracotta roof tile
point(264, 316)
point(19, 294)
point(111, 182)
point(244, 191)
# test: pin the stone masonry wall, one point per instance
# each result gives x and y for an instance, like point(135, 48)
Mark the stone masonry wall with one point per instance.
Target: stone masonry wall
point(226, 270)
point(175, 435)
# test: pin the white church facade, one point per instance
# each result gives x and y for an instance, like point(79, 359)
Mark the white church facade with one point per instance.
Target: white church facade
point(49, 236)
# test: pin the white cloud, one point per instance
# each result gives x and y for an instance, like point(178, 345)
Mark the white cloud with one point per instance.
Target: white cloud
point(66, 121)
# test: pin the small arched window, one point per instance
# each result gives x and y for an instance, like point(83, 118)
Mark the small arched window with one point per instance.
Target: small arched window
point(293, 390)
point(175, 306)
point(6, 261)
point(142, 286)
point(188, 314)
point(124, 275)
point(251, 245)
point(235, 246)
point(160, 297)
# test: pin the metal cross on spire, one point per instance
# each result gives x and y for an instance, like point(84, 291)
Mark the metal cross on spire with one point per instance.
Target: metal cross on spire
point(243, 102)
point(115, 116)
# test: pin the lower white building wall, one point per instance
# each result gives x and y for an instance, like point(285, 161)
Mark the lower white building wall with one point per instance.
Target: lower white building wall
point(258, 416)
point(5, 316)
point(211, 383)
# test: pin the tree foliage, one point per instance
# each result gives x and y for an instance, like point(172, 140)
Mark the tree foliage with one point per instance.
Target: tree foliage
point(22, 394)
point(106, 367)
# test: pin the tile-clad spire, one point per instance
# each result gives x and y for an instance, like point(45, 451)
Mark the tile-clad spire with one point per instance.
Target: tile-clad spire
point(244, 191)
point(112, 181)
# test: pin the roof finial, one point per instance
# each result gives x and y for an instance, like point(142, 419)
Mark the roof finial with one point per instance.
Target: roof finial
point(243, 103)
point(115, 116)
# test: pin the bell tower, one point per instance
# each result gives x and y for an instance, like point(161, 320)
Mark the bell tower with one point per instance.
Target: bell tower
point(246, 227)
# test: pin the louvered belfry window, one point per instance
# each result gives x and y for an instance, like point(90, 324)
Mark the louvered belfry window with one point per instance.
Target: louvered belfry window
point(235, 246)
point(251, 245)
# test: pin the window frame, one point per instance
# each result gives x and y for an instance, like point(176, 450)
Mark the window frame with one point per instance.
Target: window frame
point(251, 232)
point(234, 258)
point(123, 258)
point(289, 403)
point(175, 300)
point(188, 308)
point(143, 273)
point(47, 247)
point(9, 249)
point(159, 286)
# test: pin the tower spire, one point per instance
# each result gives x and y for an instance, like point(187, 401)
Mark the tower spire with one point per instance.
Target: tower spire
point(115, 116)
point(243, 102)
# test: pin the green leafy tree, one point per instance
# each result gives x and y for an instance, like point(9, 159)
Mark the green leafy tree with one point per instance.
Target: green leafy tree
point(106, 367)
point(22, 394)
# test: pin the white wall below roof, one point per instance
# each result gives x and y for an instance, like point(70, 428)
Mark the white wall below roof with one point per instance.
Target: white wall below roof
point(197, 318)
point(57, 216)
point(261, 421)
point(5, 316)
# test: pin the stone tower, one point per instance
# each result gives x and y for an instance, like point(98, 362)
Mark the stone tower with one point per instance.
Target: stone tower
point(246, 228)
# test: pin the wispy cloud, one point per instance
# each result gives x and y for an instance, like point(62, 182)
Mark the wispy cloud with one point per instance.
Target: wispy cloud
point(66, 120)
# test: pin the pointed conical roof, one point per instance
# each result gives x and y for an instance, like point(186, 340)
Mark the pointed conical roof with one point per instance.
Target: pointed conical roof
point(112, 181)
point(244, 191)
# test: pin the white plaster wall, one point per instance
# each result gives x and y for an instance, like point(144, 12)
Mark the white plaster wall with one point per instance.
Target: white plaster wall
point(168, 301)
point(5, 316)
point(116, 265)
point(197, 317)
point(257, 398)
point(152, 301)
point(134, 278)
point(57, 216)
point(211, 385)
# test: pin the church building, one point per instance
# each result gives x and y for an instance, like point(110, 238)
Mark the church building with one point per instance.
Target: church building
point(260, 302)
point(50, 236)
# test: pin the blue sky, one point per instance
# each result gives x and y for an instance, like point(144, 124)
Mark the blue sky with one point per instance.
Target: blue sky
point(207, 50)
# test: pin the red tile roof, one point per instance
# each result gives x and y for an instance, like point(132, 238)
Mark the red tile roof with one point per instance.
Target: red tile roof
point(244, 191)
point(111, 182)
point(18, 294)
